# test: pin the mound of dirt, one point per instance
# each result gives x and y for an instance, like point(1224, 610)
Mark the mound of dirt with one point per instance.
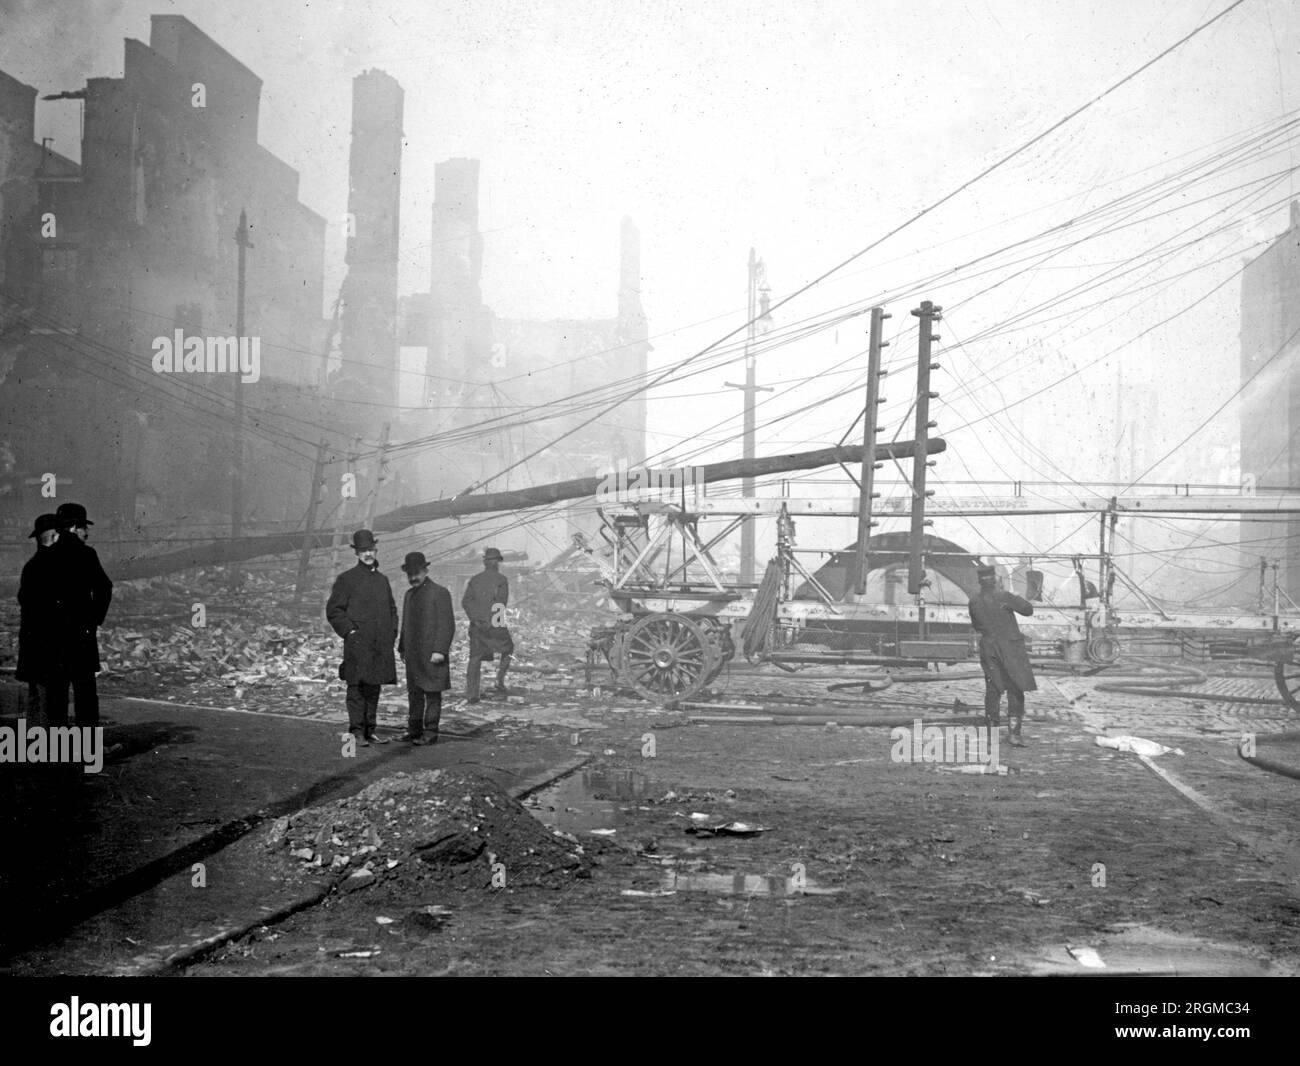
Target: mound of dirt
point(452, 826)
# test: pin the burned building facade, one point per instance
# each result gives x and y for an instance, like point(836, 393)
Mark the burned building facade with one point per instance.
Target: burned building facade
point(1270, 402)
point(137, 243)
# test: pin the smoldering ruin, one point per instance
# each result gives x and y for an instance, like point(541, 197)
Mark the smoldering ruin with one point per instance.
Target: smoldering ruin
point(470, 556)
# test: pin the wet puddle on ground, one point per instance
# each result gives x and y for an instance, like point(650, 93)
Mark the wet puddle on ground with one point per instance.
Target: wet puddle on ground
point(1149, 951)
point(590, 800)
point(742, 884)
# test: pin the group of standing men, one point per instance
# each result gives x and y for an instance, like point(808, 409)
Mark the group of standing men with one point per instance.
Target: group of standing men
point(362, 611)
point(63, 596)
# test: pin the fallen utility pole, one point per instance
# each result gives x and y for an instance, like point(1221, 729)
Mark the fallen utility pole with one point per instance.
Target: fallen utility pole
point(517, 500)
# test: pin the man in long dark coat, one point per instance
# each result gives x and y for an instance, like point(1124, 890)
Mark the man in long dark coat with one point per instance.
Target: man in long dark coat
point(1003, 655)
point(81, 593)
point(35, 603)
point(428, 627)
point(485, 601)
point(361, 611)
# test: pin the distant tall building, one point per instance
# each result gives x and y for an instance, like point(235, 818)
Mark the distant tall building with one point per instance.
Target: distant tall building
point(369, 316)
point(481, 368)
point(460, 326)
point(1270, 404)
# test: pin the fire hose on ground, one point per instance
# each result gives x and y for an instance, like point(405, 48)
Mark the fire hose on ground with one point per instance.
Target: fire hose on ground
point(1170, 684)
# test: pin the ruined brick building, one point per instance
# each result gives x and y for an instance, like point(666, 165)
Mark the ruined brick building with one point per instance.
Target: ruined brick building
point(138, 241)
point(1270, 404)
point(103, 260)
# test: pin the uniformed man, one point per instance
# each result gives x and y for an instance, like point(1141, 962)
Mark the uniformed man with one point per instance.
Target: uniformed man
point(428, 626)
point(1003, 656)
point(361, 610)
point(81, 593)
point(485, 601)
point(35, 602)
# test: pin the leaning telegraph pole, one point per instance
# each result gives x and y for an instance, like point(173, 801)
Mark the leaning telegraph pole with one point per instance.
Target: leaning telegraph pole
point(870, 427)
point(928, 313)
point(237, 449)
point(313, 509)
point(757, 309)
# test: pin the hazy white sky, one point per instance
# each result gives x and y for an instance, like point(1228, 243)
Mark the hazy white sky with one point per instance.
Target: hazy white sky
point(807, 130)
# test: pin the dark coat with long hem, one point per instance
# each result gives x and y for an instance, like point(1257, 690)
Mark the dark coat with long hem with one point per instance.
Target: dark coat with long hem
point(78, 592)
point(361, 610)
point(428, 626)
point(1002, 647)
point(35, 620)
point(483, 594)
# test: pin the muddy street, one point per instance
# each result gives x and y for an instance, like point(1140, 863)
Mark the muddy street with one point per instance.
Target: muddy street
point(696, 844)
point(845, 862)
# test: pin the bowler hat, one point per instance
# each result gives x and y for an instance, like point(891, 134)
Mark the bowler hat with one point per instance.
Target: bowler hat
point(492, 553)
point(415, 561)
point(986, 572)
point(363, 539)
point(44, 523)
point(71, 515)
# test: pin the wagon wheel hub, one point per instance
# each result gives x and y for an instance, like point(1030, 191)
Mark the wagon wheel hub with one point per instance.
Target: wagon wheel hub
point(667, 657)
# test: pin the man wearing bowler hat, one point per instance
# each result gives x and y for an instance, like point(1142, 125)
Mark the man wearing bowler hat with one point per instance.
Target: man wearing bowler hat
point(1003, 656)
point(428, 626)
point(35, 640)
point(485, 601)
point(79, 593)
point(361, 610)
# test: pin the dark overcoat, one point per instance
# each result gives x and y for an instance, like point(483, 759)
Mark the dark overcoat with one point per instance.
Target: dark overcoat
point(35, 616)
point(428, 626)
point(484, 592)
point(72, 582)
point(361, 611)
point(1003, 655)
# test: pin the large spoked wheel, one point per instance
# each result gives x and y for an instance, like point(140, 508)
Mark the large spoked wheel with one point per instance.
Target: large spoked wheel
point(666, 657)
point(1287, 676)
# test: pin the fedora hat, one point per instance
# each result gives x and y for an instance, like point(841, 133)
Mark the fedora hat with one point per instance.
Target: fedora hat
point(71, 515)
point(44, 523)
point(415, 561)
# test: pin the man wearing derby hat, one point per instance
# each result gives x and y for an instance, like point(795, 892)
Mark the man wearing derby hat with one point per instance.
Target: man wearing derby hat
point(79, 594)
point(485, 601)
point(35, 601)
point(361, 610)
point(1003, 656)
point(428, 626)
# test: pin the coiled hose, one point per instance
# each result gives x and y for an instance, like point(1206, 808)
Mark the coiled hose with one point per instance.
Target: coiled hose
point(757, 633)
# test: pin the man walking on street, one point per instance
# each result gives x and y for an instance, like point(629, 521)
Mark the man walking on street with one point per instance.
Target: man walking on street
point(361, 610)
point(80, 593)
point(1003, 656)
point(428, 626)
point(35, 604)
point(485, 601)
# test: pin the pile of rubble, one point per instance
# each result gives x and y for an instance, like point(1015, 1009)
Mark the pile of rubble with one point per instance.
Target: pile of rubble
point(255, 649)
point(455, 827)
